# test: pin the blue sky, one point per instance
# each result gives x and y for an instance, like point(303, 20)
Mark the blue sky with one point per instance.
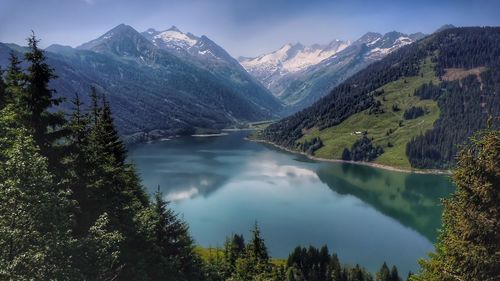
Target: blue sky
point(242, 27)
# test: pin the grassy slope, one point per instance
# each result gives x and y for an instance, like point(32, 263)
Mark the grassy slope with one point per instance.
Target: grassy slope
point(399, 92)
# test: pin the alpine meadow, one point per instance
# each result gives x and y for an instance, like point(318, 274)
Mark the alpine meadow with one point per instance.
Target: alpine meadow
point(249, 140)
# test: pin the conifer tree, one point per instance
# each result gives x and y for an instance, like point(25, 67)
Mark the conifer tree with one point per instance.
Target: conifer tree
point(98, 253)
point(109, 138)
point(395, 274)
point(44, 125)
point(3, 99)
point(469, 245)
point(15, 80)
point(335, 268)
point(257, 249)
point(34, 216)
point(81, 165)
point(234, 249)
point(174, 242)
point(383, 274)
point(254, 264)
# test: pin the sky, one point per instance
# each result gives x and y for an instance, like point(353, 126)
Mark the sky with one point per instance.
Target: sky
point(242, 27)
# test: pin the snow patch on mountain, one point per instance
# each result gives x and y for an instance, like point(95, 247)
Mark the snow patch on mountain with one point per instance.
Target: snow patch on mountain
point(176, 38)
point(380, 52)
point(293, 58)
point(171, 38)
point(288, 71)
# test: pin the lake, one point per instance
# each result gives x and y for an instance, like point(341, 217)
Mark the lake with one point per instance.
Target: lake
point(223, 185)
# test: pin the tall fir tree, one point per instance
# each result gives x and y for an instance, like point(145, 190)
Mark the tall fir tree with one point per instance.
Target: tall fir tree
point(257, 249)
point(37, 99)
point(469, 244)
point(383, 274)
point(234, 249)
point(15, 80)
point(110, 138)
point(254, 265)
point(395, 274)
point(174, 242)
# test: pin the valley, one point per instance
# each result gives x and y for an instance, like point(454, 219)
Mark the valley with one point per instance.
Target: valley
point(142, 152)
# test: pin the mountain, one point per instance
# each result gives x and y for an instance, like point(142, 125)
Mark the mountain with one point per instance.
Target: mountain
point(152, 91)
point(300, 75)
point(206, 54)
point(122, 41)
point(412, 109)
point(274, 69)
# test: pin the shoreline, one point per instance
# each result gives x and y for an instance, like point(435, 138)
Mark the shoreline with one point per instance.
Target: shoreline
point(369, 164)
point(209, 135)
point(311, 157)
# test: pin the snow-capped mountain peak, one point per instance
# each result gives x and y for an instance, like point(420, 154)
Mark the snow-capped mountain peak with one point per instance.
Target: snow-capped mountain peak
point(292, 58)
point(288, 71)
point(188, 45)
point(381, 45)
point(171, 38)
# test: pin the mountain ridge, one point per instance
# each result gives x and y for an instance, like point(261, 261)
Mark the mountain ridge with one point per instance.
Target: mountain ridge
point(405, 110)
point(308, 81)
point(154, 92)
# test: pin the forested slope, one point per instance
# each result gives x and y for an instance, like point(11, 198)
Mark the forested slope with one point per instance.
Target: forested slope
point(463, 83)
point(152, 91)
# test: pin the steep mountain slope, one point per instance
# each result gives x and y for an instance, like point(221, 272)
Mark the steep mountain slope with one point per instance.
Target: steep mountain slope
point(411, 109)
point(150, 90)
point(206, 54)
point(274, 69)
point(300, 75)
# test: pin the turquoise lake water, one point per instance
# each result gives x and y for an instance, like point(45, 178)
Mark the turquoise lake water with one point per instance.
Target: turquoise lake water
point(222, 185)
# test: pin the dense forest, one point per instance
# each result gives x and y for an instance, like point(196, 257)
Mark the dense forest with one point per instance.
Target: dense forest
point(465, 101)
point(72, 208)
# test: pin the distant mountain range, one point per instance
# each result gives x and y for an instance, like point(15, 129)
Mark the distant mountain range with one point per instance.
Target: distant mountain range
point(411, 109)
point(299, 75)
point(164, 83)
point(159, 83)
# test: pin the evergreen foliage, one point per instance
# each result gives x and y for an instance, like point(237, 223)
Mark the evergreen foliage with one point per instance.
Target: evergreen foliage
point(413, 112)
point(346, 154)
point(37, 98)
point(469, 244)
point(364, 150)
point(3, 99)
point(465, 106)
point(34, 216)
point(71, 207)
point(310, 146)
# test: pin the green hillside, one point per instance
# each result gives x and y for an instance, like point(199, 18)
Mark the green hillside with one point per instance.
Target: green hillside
point(400, 93)
point(412, 109)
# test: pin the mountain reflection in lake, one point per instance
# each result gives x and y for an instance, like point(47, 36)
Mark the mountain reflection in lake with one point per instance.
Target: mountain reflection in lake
point(222, 185)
